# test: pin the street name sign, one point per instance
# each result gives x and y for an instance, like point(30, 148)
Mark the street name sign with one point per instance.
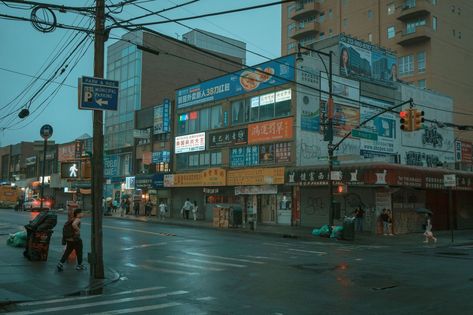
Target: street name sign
point(357, 133)
point(98, 94)
point(449, 180)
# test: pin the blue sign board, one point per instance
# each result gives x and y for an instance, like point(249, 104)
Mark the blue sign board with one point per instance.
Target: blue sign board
point(160, 157)
point(110, 165)
point(98, 94)
point(265, 75)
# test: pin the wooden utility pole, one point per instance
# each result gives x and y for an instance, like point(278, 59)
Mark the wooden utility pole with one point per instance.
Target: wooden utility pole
point(96, 257)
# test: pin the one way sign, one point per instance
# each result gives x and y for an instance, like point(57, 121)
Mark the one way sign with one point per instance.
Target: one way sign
point(98, 94)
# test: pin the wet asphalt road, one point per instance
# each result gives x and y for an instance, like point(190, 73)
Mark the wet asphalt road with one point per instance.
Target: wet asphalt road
point(183, 270)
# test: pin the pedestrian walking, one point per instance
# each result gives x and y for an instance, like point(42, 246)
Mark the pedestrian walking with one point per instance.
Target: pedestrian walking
point(387, 222)
point(136, 208)
point(127, 206)
point(148, 208)
point(428, 229)
point(71, 238)
point(163, 208)
point(186, 208)
point(359, 214)
point(114, 205)
point(194, 210)
point(122, 207)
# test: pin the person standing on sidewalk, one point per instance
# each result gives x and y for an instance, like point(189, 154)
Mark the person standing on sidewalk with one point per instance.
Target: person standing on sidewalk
point(136, 208)
point(428, 229)
point(162, 210)
point(187, 208)
point(359, 214)
point(148, 208)
point(194, 210)
point(71, 236)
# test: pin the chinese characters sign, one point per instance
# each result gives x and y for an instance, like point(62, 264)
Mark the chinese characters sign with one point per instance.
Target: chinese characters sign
point(268, 74)
point(161, 117)
point(190, 143)
point(239, 136)
point(272, 130)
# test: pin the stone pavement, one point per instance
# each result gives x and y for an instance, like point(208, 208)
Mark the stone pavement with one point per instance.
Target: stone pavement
point(24, 280)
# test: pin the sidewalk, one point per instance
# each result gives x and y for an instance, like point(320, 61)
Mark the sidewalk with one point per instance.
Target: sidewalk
point(23, 280)
point(461, 237)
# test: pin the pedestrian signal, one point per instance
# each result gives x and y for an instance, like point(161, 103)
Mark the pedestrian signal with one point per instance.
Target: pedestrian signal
point(418, 119)
point(406, 119)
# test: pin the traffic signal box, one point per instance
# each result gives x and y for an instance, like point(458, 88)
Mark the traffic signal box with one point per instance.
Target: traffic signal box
point(418, 119)
point(406, 119)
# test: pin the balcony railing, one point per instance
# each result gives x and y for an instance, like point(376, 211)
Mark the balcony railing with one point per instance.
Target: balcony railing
point(308, 29)
point(414, 10)
point(412, 37)
point(306, 10)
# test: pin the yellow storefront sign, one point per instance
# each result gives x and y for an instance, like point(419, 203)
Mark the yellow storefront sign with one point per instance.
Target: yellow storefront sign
point(256, 176)
point(209, 177)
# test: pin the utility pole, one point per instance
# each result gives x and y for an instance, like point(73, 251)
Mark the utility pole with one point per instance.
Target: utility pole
point(96, 257)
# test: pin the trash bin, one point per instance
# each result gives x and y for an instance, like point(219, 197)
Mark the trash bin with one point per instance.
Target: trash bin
point(39, 232)
point(348, 232)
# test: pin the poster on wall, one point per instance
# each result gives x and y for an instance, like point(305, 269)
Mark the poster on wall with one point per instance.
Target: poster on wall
point(344, 90)
point(310, 114)
point(359, 59)
point(384, 126)
point(345, 118)
point(190, 143)
point(161, 117)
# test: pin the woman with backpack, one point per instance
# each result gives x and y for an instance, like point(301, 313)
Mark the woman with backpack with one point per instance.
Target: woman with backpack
point(71, 238)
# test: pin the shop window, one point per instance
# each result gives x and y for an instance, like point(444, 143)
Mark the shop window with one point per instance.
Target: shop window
point(216, 158)
point(240, 112)
point(204, 120)
point(204, 159)
point(216, 119)
point(194, 160)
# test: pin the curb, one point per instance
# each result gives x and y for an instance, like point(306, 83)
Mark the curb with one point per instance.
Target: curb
point(98, 284)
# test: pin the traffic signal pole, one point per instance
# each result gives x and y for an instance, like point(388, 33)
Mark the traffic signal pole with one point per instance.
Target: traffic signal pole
point(96, 256)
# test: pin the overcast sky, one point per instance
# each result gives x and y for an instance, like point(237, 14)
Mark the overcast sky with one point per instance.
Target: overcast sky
point(26, 51)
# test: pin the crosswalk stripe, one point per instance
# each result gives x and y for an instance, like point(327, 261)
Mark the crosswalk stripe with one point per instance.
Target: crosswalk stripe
point(184, 264)
point(80, 298)
point(216, 263)
point(138, 309)
point(170, 270)
point(85, 305)
point(227, 258)
point(144, 246)
point(308, 251)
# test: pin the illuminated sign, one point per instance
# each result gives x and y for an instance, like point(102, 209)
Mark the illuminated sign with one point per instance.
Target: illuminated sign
point(190, 143)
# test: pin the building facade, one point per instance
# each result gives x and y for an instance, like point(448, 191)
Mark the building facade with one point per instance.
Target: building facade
point(257, 143)
point(148, 79)
point(421, 32)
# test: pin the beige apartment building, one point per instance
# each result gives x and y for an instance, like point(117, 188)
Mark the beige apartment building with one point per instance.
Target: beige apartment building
point(433, 39)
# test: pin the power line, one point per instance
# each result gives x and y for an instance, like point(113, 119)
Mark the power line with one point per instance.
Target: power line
point(210, 14)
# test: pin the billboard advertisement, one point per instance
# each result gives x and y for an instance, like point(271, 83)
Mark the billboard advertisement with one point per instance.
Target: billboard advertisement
point(345, 118)
point(190, 143)
point(384, 126)
point(110, 165)
point(359, 59)
point(262, 76)
point(272, 130)
point(161, 117)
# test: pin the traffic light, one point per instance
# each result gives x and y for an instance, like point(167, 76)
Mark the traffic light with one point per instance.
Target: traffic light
point(406, 119)
point(418, 119)
point(341, 189)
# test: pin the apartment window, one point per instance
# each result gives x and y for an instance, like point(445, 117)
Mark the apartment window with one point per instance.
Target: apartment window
point(216, 158)
point(434, 2)
point(330, 31)
point(391, 8)
point(345, 22)
point(290, 9)
point(421, 84)
point(344, 2)
point(370, 14)
point(322, 35)
point(321, 17)
point(391, 32)
point(291, 46)
point(434, 23)
point(421, 62)
point(411, 26)
point(290, 27)
point(406, 65)
point(330, 13)
point(409, 4)
point(370, 37)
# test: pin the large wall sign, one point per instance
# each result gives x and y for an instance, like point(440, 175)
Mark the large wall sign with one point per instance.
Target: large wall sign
point(262, 76)
point(161, 119)
point(272, 130)
point(228, 138)
point(110, 165)
point(190, 143)
point(359, 59)
point(256, 176)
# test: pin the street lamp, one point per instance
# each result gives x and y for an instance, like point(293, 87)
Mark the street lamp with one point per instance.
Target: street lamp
point(329, 130)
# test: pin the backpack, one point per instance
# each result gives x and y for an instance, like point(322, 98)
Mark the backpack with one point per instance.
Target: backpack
point(67, 230)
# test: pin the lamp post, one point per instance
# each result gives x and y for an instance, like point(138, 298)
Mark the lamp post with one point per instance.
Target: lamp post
point(329, 129)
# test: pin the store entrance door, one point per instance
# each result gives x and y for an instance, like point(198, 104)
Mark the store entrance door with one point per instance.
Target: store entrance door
point(268, 208)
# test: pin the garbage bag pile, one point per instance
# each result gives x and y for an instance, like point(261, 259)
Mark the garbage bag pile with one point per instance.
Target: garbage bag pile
point(17, 239)
point(327, 231)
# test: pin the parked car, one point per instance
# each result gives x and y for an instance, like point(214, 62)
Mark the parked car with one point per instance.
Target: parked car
point(34, 204)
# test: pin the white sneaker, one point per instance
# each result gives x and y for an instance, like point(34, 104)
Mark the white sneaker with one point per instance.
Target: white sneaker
point(81, 267)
